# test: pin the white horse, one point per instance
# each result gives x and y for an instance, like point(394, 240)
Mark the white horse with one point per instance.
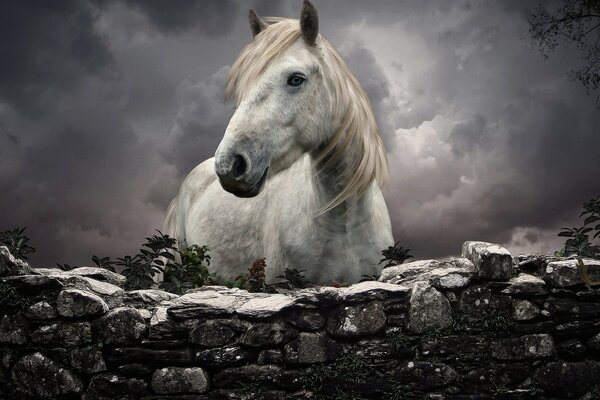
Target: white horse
point(296, 178)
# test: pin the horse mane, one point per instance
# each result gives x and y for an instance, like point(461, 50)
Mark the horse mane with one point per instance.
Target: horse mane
point(356, 126)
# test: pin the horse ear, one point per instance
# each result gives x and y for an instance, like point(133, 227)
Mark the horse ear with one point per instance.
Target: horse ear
point(309, 23)
point(257, 25)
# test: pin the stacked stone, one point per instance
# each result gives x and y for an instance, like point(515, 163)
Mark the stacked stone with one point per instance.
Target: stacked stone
point(483, 326)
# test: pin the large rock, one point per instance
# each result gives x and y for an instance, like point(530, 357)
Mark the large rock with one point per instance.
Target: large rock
point(63, 334)
point(99, 274)
point(526, 347)
point(524, 310)
point(162, 326)
point(357, 320)
point(452, 274)
point(428, 309)
point(526, 284)
point(14, 329)
point(268, 335)
point(211, 302)
point(173, 380)
point(121, 326)
point(42, 378)
point(566, 272)
point(113, 386)
point(408, 273)
point(216, 332)
point(310, 348)
point(77, 303)
point(491, 261)
point(88, 359)
point(10, 265)
point(41, 310)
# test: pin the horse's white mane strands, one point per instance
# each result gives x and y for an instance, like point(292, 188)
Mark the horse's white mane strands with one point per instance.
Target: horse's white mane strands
point(357, 132)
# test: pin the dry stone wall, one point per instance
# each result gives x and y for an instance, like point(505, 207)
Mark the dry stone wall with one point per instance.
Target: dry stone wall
point(483, 326)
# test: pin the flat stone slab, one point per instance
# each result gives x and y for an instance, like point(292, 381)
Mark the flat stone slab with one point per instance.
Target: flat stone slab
point(99, 274)
point(491, 260)
point(372, 290)
point(408, 273)
point(148, 297)
point(207, 303)
point(265, 307)
point(526, 284)
point(566, 272)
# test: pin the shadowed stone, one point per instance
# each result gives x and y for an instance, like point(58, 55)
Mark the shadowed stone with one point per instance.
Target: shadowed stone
point(270, 356)
point(426, 375)
point(162, 326)
point(214, 333)
point(566, 273)
point(266, 374)
point(13, 329)
point(128, 355)
point(491, 261)
point(42, 378)
point(310, 348)
point(63, 334)
point(88, 360)
point(524, 348)
point(268, 335)
point(357, 320)
point(568, 380)
point(309, 319)
point(113, 386)
point(224, 356)
point(173, 380)
point(121, 326)
point(523, 310)
point(427, 309)
point(41, 310)
point(77, 303)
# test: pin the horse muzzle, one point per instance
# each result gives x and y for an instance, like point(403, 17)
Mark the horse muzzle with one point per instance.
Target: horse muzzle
point(237, 178)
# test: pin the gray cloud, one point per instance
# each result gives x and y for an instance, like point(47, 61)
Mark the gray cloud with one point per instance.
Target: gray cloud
point(106, 106)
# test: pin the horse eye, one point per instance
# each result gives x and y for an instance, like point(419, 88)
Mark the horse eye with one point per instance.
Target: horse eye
point(295, 80)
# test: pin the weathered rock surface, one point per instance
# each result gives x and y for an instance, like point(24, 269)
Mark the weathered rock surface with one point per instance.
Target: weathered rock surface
point(491, 261)
point(428, 309)
point(357, 320)
point(565, 273)
point(99, 274)
point(175, 380)
point(39, 377)
point(524, 347)
point(63, 334)
point(77, 303)
point(121, 326)
point(10, 265)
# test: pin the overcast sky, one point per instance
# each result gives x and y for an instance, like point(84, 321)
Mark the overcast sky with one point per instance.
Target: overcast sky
point(105, 106)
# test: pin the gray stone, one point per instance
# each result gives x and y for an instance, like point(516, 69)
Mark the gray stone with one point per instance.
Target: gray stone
point(357, 320)
point(113, 386)
point(474, 299)
point(426, 375)
point(77, 303)
point(265, 307)
point(88, 360)
point(317, 296)
point(162, 326)
point(524, 310)
point(41, 310)
point(268, 335)
point(265, 374)
point(309, 319)
point(173, 380)
point(111, 294)
point(408, 273)
point(42, 378)
point(428, 309)
point(452, 274)
point(526, 347)
point(310, 348)
point(99, 274)
point(526, 284)
point(491, 261)
point(121, 326)
point(270, 356)
point(568, 380)
point(594, 343)
point(128, 355)
point(216, 332)
point(566, 272)
point(13, 329)
point(372, 290)
point(224, 356)
point(10, 265)
point(212, 302)
point(148, 297)
point(63, 334)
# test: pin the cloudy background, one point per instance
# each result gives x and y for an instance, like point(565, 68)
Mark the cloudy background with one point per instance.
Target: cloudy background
point(105, 106)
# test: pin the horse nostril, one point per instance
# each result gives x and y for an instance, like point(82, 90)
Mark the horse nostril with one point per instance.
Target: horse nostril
point(239, 166)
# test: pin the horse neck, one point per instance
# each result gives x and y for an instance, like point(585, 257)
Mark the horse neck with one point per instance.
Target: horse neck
point(327, 182)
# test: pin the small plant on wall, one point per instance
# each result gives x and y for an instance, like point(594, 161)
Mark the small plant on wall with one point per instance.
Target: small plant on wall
point(579, 242)
point(17, 243)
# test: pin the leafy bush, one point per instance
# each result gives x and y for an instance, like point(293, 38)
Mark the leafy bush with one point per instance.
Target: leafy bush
point(16, 242)
point(10, 299)
point(578, 242)
point(394, 255)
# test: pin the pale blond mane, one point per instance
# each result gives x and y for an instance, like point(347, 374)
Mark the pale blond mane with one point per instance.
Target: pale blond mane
point(357, 131)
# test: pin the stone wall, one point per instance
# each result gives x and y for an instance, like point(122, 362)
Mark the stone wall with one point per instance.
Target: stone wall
point(484, 326)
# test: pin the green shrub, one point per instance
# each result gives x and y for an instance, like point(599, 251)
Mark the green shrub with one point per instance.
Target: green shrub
point(578, 242)
point(16, 242)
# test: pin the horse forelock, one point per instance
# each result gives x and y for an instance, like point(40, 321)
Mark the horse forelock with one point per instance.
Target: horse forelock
point(356, 137)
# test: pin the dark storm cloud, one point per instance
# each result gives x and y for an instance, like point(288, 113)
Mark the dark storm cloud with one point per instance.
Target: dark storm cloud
point(46, 47)
point(212, 17)
point(105, 107)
